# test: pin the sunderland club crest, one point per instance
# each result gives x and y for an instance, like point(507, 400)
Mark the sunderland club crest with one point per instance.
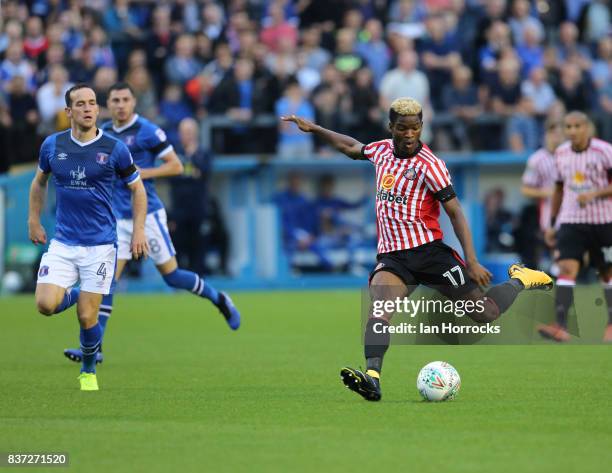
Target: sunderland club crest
point(410, 174)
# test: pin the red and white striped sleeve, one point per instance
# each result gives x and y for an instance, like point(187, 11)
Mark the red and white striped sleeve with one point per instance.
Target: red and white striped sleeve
point(607, 153)
point(532, 176)
point(373, 151)
point(437, 176)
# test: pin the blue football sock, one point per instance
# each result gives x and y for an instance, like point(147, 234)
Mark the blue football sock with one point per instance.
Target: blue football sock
point(182, 279)
point(90, 345)
point(106, 309)
point(70, 298)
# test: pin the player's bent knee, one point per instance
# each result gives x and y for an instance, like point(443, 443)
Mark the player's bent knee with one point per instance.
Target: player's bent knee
point(45, 306)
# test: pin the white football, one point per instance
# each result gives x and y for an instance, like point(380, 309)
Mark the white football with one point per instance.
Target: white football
point(438, 381)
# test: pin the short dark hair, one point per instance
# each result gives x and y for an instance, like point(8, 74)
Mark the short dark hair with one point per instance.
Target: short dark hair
point(74, 88)
point(121, 86)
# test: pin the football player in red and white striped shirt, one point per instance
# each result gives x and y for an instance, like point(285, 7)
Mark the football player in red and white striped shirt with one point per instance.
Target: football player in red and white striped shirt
point(539, 183)
point(582, 206)
point(411, 182)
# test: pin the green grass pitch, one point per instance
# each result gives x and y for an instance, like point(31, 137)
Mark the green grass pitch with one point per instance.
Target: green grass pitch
point(180, 392)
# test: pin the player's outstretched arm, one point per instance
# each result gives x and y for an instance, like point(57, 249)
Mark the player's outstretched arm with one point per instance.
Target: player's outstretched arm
point(38, 189)
point(474, 269)
point(172, 166)
point(140, 246)
point(343, 143)
point(536, 192)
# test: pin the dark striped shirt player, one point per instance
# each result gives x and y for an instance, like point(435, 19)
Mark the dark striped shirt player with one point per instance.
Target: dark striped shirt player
point(582, 209)
point(148, 144)
point(411, 183)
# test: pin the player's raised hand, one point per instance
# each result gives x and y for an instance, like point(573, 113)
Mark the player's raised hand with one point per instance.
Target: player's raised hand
point(140, 247)
point(37, 233)
point(479, 274)
point(303, 124)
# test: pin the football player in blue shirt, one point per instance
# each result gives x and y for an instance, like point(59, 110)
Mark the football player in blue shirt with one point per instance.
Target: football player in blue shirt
point(147, 143)
point(84, 162)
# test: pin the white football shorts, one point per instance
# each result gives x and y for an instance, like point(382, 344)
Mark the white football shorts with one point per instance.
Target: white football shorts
point(161, 248)
point(64, 265)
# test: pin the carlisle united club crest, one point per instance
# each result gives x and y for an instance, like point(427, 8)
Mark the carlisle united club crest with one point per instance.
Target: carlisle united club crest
point(410, 174)
point(130, 140)
point(101, 158)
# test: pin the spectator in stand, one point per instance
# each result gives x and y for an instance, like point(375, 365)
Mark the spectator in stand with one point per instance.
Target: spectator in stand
point(572, 89)
point(278, 27)
point(124, 21)
point(346, 60)
point(50, 100)
point(159, 44)
point(569, 46)
point(498, 42)
point(494, 12)
point(507, 101)
point(298, 221)
point(213, 21)
point(12, 32)
point(460, 98)
point(283, 63)
point(182, 65)
point(238, 22)
point(439, 56)
point(332, 229)
point(73, 37)
point(353, 20)
point(84, 68)
point(604, 104)
point(522, 19)
point(407, 11)
point(15, 64)
point(220, 65)
point(240, 96)
point(35, 42)
point(531, 52)
point(236, 94)
point(601, 70)
point(367, 118)
point(293, 144)
point(173, 108)
point(539, 92)
point(332, 104)
point(54, 56)
point(499, 221)
point(372, 47)
point(192, 236)
point(315, 57)
point(103, 80)
point(597, 19)
point(407, 81)
point(100, 48)
point(23, 121)
point(144, 92)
